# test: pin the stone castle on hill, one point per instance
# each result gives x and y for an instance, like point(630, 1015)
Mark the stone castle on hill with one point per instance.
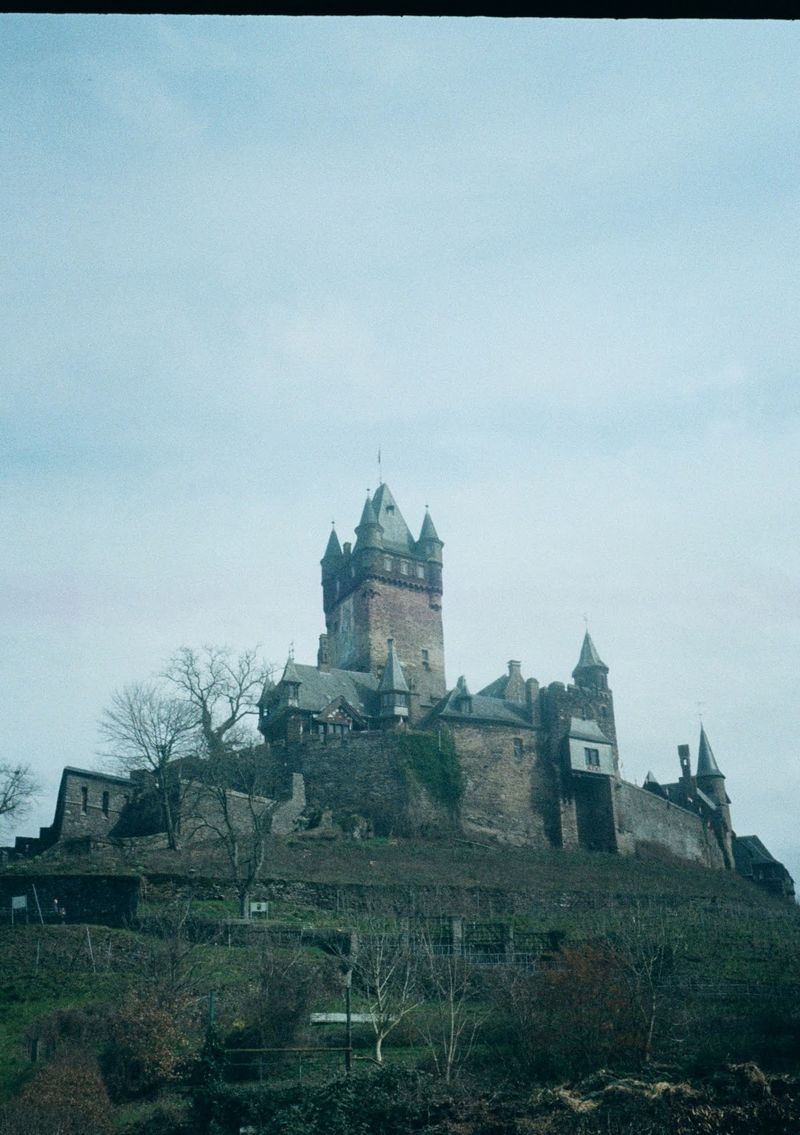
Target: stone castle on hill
point(372, 739)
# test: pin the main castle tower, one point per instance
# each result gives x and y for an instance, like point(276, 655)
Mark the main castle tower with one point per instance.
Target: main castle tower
point(387, 586)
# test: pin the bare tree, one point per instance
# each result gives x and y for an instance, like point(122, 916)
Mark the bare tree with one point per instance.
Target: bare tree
point(146, 729)
point(647, 941)
point(223, 689)
point(231, 800)
point(17, 786)
point(453, 1016)
point(386, 974)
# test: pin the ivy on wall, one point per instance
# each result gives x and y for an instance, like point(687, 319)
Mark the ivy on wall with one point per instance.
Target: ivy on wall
point(432, 760)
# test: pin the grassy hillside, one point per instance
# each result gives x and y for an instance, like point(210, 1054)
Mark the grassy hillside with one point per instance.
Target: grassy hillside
point(727, 982)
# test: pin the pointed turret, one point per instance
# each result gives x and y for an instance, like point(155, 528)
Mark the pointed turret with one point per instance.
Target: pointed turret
point(429, 545)
point(333, 549)
point(707, 766)
point(290, 682)
point(393, 688)
point(710, 781)
point(591, 671)
point(369, 533)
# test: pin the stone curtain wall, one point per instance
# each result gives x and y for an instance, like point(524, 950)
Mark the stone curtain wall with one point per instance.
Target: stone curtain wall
point(643, 817)
point(506, 797)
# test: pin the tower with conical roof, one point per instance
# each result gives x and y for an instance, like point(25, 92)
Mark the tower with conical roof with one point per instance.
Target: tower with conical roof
point(711, 782)
point(388, 585)
point(591, 672)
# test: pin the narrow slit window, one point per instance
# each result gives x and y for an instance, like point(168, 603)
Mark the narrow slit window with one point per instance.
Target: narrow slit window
point(84, 799)
point(105, 804)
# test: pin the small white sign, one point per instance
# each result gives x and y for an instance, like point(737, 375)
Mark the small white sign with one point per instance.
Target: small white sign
point(259, 908)
point(19, 902)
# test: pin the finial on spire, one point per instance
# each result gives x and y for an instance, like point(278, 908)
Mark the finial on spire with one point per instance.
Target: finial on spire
point(291, 650)
point(585, 620)
point(700, 705)
point(380, 472)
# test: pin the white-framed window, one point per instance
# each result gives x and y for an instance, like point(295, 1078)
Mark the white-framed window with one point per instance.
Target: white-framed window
point(404, 567)
point(387, 563)
point(420, 571)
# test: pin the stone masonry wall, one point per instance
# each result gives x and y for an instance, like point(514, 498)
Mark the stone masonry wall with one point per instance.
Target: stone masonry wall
point(643, 817)
point(506, 797)
point(90, 804)
point(357, 775)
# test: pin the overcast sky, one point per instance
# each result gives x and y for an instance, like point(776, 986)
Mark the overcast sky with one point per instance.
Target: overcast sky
point(549, 267)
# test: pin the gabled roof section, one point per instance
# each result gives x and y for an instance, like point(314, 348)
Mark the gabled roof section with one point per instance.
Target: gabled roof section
point(396, 534)
point(589, 659)
point(494, 711)
point(318, 688)
point(290, 672)
point(393, 679)
point(706, 764)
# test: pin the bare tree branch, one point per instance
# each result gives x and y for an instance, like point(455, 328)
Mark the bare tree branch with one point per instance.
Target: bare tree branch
point(222, 687)
point(17, 786)
point(145, 729)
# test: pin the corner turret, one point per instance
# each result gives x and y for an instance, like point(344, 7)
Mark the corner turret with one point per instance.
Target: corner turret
point(591, 672)
point(710, 781)
point(369, 533)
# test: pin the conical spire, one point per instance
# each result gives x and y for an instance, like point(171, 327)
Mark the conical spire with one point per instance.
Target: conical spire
point(589, 659)
point(706, 764)
point(393, 679)
point(369, 532)
point(428, 530)
point(333, 549)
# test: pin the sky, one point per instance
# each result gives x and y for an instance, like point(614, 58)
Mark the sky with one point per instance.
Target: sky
point(548, 267)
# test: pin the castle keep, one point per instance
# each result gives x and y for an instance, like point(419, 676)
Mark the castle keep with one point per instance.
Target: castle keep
point(371, 739)
point(538, 765)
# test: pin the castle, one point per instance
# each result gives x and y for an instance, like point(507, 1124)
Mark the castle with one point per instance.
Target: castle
point(372, 738)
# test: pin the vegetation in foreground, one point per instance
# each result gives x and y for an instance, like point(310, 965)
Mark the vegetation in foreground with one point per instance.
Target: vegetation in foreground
point(658, 1011)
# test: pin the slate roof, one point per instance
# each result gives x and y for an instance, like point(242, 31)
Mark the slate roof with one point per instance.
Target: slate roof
point(495, 689)
point(396, 534)
point(584, 729)
point(706, 765)
point(333, 549)
point(428, 531)
point(589, 658)
point(290, 672)
point(489, 709)
point(393, 679)
point(318, 688)
point(750, 849)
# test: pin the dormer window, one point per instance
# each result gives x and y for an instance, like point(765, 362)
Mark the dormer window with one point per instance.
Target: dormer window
point(592, 757)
